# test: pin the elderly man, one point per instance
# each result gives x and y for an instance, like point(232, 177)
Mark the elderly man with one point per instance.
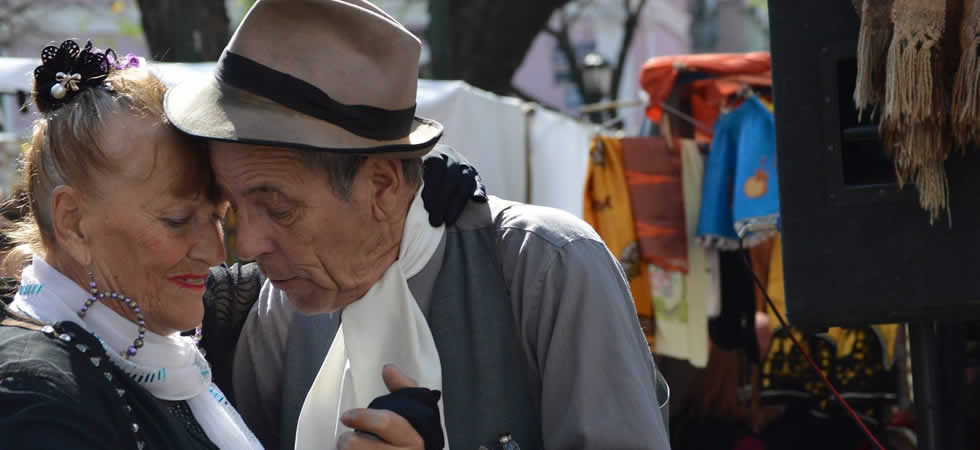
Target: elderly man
point(518, 314)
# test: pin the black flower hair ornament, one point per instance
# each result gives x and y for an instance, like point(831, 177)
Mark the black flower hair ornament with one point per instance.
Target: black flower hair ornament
point(67, 70)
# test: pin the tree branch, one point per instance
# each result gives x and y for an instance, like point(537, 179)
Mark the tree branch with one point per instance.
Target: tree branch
point(574, 69)
point(629, 30)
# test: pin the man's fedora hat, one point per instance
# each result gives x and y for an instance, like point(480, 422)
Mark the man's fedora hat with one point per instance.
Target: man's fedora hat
point(322, 75)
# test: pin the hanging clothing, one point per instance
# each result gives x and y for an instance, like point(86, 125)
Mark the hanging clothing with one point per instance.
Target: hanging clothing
point(653, 175)
point(741, 181)
point(734, 328)
point(609, 210)
point(682, 300)
point(859, 361)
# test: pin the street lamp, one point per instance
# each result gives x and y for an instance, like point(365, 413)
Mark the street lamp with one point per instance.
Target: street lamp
point(596, 75)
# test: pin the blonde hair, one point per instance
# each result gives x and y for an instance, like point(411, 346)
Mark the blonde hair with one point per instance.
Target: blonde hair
point(66, 150)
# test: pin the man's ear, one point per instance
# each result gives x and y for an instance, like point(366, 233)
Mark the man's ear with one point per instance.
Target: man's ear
point(67, 207)
point(386, 185)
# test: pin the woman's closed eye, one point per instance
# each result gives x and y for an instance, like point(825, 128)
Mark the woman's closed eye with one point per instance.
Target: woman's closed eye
point(176, 222)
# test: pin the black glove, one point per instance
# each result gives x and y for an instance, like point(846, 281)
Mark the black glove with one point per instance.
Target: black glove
point(420, 407)
point(449, 186)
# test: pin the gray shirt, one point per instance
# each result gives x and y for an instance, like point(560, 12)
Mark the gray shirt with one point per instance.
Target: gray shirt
point(571, 306)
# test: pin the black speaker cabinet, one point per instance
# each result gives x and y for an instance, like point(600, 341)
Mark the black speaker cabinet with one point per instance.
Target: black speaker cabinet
point(857, 249)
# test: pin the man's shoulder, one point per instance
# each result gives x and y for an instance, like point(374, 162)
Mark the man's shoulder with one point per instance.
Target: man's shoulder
point(520, 221)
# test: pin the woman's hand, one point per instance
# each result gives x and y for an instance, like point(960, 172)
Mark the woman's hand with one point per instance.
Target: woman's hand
point(450, 185)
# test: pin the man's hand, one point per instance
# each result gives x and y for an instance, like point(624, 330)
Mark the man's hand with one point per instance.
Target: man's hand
point(393, 430)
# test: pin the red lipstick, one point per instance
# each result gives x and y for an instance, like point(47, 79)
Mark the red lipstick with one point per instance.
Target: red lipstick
point(195, 282)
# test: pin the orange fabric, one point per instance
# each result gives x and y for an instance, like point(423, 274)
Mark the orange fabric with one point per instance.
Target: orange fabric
point(637, 178)
point(659, 74)
point(609, 211)
point(653, 174)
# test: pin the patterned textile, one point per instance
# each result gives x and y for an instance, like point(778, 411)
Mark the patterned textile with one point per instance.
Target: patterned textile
point(859, 361)
point(609, 211)
point(653, 175)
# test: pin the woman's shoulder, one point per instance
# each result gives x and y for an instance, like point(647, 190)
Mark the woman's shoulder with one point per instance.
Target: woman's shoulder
point(47, 355)
point(57, 388)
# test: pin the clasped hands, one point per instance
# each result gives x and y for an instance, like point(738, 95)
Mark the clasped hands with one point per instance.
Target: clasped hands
point(377, 429)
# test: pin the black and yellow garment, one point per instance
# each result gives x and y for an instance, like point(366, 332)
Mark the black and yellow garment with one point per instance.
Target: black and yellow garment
point(859, 361)
point(608, 210)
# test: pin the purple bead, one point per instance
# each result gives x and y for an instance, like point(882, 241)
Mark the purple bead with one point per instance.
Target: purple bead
point(115, 295)
point(142, 335)
point(137, 310)
point(131, 351)
point(101, 294)
point(128, 300)
point(141, 323)
point(85, 308)
point(91, 284)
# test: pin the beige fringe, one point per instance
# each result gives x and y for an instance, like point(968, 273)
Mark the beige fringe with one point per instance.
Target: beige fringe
point(872, 52)
point(914, 120)
point(966, 87)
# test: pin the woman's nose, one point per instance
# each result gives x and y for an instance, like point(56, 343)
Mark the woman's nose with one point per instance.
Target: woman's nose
point(210, 247)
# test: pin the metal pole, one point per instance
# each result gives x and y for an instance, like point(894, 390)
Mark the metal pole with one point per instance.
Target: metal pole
point(938, 367)
point(925, 368)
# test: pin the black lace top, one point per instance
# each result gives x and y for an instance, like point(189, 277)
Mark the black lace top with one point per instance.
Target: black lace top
point(231, 292)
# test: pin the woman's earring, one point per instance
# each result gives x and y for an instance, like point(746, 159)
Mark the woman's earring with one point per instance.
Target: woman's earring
point(95, 295)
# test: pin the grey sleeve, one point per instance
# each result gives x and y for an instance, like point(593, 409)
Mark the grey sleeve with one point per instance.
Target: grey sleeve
point(259, 365)
point(581, 331)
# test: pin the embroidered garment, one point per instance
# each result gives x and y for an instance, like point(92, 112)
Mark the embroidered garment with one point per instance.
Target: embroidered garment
point(609, 210)
point(740, 180)
point(386, 326)
point(859, 361)
point(169, 367)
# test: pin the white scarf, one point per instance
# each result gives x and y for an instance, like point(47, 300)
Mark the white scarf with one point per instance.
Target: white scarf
point(386, 326)
point(169, 367)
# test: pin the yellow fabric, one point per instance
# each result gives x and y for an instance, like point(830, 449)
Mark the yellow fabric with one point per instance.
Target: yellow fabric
point(843, 338)
point(608, 210)
point(767, 104)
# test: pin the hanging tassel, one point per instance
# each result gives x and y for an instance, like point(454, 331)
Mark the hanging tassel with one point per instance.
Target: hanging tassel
point(914, 120)
point(872, 52)
point(966, 87)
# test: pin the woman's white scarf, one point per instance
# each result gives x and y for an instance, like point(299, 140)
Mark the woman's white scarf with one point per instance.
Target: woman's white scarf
point(386, 326)
point(169, 367)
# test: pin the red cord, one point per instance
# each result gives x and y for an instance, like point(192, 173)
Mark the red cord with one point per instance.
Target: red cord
point(792, 336)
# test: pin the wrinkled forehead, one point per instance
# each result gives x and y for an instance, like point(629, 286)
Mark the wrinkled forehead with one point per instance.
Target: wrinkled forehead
point(241, 167)
point(150, 152)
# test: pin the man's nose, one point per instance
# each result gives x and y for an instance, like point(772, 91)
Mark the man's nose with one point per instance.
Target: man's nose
point(251, 239)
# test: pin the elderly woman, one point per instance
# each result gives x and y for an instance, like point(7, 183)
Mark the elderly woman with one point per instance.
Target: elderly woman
point(125, 224)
